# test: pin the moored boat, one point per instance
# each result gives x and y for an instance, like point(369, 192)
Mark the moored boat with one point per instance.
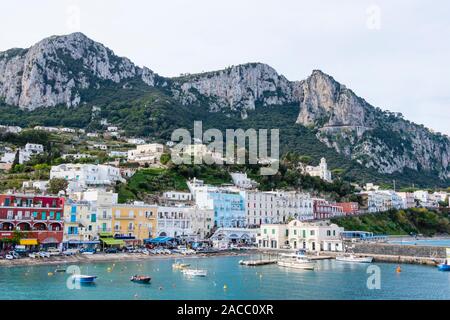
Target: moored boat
point(84, 278)
point(445, 266)
point(178, 265)
point(353, 258)
point(195, 272)
point(296, 261)
point(140, 279)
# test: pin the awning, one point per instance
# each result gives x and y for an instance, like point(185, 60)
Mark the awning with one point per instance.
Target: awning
point(105, 234)
point(82, 242)
point(28, 242)
point(49, 241)
point(112, 241)
point(158, 240)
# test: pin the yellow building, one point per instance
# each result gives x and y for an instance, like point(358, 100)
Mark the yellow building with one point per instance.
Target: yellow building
point(134, 222)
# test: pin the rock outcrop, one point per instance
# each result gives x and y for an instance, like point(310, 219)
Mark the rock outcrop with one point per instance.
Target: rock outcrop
point(55, 71)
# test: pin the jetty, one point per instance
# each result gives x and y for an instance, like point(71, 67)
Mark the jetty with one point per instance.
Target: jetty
point(257, 262)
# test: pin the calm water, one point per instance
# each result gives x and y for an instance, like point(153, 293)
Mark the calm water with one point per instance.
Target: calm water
point(332, 280)
point(438, 243)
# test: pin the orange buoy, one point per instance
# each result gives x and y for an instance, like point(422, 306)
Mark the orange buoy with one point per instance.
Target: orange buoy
point(398, 270)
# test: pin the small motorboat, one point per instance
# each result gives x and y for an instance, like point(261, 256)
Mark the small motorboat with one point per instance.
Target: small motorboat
point(178, 265)
point(195, 272)
point(444, 266)
point(353, 258)
point(60, 270)
point(84, 278)
point(140, 279)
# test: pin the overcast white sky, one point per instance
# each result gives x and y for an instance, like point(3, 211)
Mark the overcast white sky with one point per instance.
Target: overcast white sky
point(395, 55)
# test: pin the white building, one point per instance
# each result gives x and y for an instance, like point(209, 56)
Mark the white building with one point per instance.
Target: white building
point(136, 141)
point(82, 176)
point(41, 185)
point(146, 153)
point(112, 129)
point(320, 171)
point(242, 181)
point(202, 221)
point(407, 199)
point(311, 236)
point(177, 196)
point(10, 129)
point(426, 199)
point(67, 130)
point(25, 153)
point(76, 156)
point(48, 129)
point(174, 221)
point(277, 207)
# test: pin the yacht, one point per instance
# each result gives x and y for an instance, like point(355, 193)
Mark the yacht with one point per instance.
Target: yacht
point(297, 261)
point(195, 272)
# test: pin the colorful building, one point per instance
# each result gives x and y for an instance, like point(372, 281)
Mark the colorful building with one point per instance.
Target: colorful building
point(38, 219)
point(134, 222)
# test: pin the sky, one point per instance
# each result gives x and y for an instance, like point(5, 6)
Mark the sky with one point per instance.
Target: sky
point(394, 54)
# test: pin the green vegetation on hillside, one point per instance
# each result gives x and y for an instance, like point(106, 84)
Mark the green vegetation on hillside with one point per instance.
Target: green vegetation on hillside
point(399, 222)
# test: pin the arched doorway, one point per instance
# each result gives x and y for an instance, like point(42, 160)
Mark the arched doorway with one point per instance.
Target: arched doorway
point(39, 226)
point(55, 226)
point(23, 226)
point(6, 226)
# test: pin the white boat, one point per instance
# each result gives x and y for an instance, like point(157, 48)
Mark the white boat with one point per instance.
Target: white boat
point(353, 258)
point(296, 261)
point(195, 272)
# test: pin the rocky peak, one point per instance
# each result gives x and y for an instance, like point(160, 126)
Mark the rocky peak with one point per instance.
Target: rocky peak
point(239, 87)
point(56, 69)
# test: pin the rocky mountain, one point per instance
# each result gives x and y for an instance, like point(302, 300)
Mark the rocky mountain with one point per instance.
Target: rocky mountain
point(379, 139)
point(60, 70)
point(56, 70)
point(238, 88)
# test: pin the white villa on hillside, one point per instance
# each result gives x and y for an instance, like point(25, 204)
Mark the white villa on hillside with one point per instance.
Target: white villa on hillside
point(320, 171)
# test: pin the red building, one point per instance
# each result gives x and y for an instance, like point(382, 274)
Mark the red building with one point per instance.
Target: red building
point(350, 208)
point(38, 218)
point(325, 210)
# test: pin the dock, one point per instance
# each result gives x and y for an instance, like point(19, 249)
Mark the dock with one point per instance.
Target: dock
point(256, 262)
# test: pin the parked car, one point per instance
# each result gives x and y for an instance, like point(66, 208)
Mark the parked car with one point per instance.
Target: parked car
point(111, 250)
point(54, 251)
point(44, 254)
point(70, 252)
point(87, 251)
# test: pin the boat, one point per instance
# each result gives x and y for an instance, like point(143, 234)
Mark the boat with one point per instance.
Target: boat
point(444, 266)
point(84, 278)
point(353, 258)
point(178, 265)
point(195, 272)
point(60, 270)
point(296, 260)
point(140, 279)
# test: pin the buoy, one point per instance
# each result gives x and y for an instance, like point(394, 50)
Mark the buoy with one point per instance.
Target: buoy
point(109, 269)
point(225, 287)
point(398, 270)
point(50, 273)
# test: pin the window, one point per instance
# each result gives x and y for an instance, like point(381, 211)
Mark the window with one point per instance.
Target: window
point(328, 233)
point(312, 232)
point(93, 217)
point(265, 231)
point(273, 231)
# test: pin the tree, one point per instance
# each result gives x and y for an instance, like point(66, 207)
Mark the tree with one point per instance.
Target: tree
point(165, 158)
point(56, 185)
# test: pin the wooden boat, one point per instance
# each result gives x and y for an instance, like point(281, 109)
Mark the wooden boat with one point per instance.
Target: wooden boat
point(296, 261)
point(195, 272)
point(140, 279)
point(84, 278)
point(353, 258)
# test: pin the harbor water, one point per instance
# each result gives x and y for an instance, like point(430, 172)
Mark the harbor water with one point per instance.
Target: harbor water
point(226, 280)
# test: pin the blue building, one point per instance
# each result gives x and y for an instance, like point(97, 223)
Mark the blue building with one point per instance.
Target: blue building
point(229, 209)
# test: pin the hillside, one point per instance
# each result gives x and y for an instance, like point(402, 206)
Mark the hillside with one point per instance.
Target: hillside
point(318, 116)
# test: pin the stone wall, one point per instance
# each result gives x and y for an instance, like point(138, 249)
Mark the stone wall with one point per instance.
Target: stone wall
point(396, 250)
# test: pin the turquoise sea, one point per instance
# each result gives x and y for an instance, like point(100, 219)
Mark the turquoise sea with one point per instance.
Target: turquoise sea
point(331, 280)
